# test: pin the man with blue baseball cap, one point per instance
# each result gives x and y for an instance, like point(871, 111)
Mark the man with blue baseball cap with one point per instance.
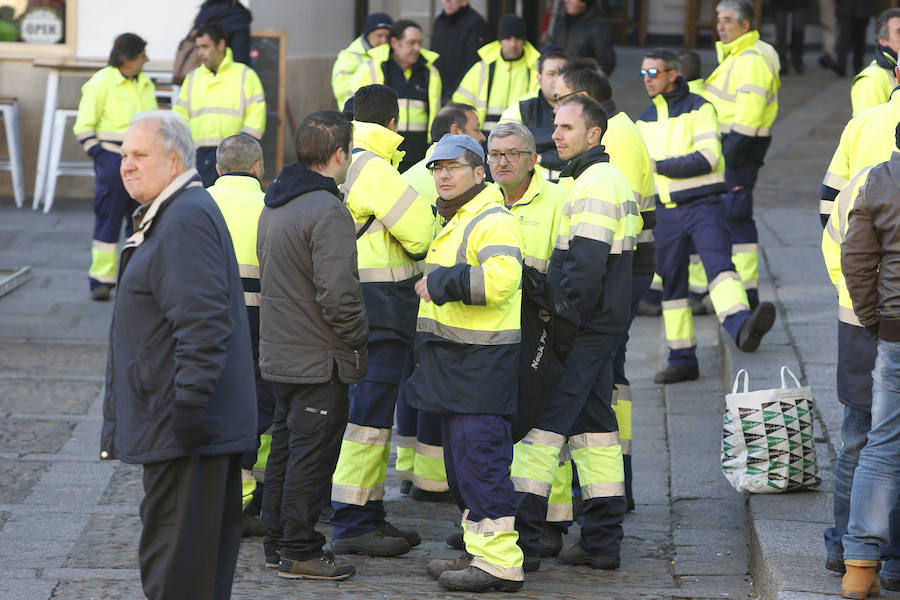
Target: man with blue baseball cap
point(467, 357)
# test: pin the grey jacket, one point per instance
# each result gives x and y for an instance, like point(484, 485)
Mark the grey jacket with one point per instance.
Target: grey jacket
point(312, 315)
point(179, 333)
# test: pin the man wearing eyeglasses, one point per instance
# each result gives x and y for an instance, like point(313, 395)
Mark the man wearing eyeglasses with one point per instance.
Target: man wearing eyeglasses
point(467, 357)
point(744, 91)
point(682, 133)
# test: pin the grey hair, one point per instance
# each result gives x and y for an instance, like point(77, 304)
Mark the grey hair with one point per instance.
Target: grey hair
point(238, 153)
point(743, 10)
point(881, 22)
point(506, 128)
point(173, 133)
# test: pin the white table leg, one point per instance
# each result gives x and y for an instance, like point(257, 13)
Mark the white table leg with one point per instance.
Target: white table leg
point(50, 100)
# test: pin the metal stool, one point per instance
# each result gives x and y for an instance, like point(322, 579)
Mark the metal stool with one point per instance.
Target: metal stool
point(57, 167)
point(9, 108)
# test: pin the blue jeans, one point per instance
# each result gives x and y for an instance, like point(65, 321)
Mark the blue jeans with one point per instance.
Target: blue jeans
point(876, 481)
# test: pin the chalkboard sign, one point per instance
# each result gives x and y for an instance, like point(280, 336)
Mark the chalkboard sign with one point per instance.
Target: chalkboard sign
point(268, 57)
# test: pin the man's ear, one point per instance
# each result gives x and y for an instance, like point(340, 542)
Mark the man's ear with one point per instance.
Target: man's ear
point(455, 129)
point(219, 170)
point(479, 174)
point(256, 169)
point(392, 124)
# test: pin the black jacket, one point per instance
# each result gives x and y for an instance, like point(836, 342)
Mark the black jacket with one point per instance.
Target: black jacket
point(457, 38)
point(587, 34)
point(312, 315)
point(857, 9)
point(235, 19)
point(179, 334)
point(537, 116)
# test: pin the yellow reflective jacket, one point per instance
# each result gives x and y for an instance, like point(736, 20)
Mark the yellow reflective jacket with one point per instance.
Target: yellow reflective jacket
point(834, 235)
point(744, 86)
point(865, 142)
point(421, 179)
point(467, 337)
point(108, 101)
point(592, 259)
point(394, 227)
point(682, 133)
point(224, 103)
point(493, 83)
point(628, 153)
point(348, 62)
point(873, 85)
point(696, 86)
point(241, 201)
point(539, 211)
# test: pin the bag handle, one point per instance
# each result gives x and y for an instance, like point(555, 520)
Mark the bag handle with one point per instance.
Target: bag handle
point(783, 384)
point(737, 379)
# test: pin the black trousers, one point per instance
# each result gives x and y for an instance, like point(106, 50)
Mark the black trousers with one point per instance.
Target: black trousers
point(191, 513)
point(797, 13)
point(851, 38)
point(307, 431)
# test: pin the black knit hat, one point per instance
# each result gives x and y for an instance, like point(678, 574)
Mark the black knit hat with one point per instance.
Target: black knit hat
point(377, 20)
point(511, 26)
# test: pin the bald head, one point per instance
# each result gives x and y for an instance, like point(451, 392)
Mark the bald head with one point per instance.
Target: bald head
point(239, 153)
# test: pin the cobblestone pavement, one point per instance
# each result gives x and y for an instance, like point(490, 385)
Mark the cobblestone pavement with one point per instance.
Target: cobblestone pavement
point(69, 524)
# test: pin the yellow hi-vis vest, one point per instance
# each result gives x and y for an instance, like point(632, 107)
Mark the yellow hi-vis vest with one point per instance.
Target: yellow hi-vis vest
point(402, 225)
point(221, 104)
point(871, 86)
point(348, 62)
point(493, 83)
point(744, 87)
point(241, 200)
point(867, 140)
point(108, 101)
point(539, 211)
point(834, 235)
point(629, 154)
point(414, 114)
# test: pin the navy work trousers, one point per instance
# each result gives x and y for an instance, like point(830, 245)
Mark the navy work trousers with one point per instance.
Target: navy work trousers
point(112, 205)
point(582, 403)
point(739, 217)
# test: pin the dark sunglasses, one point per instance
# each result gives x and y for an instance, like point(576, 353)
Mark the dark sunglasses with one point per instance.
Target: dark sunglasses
point(652, 73)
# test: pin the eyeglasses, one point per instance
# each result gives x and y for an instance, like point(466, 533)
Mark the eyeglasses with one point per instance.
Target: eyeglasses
point(559, 98)
point(452, 168)
point(652, 73)
point(514, 156)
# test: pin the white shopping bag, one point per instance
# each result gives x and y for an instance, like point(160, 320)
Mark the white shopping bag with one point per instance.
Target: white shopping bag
point(767, 438)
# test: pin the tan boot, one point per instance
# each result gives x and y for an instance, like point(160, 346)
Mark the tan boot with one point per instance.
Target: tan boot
point(860, 581)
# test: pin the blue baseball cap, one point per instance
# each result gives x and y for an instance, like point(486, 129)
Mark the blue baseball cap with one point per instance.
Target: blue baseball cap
point(452, 145)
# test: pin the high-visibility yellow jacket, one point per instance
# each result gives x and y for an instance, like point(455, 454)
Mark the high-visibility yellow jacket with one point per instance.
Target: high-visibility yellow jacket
point(421, 179)
point(696, 86)
point(348, 62)
point(865, 142)
point(744, 86)
point(539, 211)
point(467, 337)
point(682, 133)
point(241, 201)
point(400, 227)
point(419, 92)
point(494, 83)
point(592, 258)
point(224, 103)
point(108, 101)
point(873, 85)
point(834, 235)
point(628, 153)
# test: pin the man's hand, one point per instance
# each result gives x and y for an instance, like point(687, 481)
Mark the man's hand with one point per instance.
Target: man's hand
point(422, 289)
point(653, 164)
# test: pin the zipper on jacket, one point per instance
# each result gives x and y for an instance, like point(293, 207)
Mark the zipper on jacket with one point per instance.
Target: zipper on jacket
point(356, 358)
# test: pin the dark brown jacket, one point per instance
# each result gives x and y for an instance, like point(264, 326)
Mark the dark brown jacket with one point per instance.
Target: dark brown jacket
point(312, 315)
point(870, 255)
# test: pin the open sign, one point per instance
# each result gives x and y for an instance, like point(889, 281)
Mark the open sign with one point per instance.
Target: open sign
point(41, 26)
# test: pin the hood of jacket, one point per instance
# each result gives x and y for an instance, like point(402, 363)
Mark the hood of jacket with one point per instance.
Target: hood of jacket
point(490, 52)
point(383, 52)
point(885, 57)
point(380, 140)
point(296, 180)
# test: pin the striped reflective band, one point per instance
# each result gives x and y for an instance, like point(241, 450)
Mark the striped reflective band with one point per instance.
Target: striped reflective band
point(373, 436)
point(349, 494)
point(539, 263)
point(543, 437)
point(751, 131)
point(499, 250)
point(251, 298)
point(721, 277)
point(689, 183)
point(846, 315)
point(711, 157)
point(469, 336)
point(249, 271)
point(464, 244)
point(403, 203)
point(360, 159)
point(216, 110)
point(732, 310)
point(594, 440)
point(526, 485)
point(708, 135)
point(608, 489)
point(382, 274)
point(252, 131)
point(477, 292)
point(488, 527)
point(744, 248)
point(105, 246)
point(835, 182)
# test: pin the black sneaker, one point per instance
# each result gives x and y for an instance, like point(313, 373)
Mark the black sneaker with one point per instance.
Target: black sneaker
point(673, 374)
point(437, 566)
point(100, 293)
point(273, 560)
point(321, 567)
point(426, 496)
point(473, 579)
point(756, 326)
point(576, 555)
point(530, 564)
point(889, 583)
point(551, 540)
point(836, 565)
point(387, 530)
point(455, 540)
point(373, 543)
point(251, 526)
point(405, 487)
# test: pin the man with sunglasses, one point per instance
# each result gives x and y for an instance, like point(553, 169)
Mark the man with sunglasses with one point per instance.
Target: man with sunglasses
point(682, 133)
point(744, 91)
point(467, 358)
